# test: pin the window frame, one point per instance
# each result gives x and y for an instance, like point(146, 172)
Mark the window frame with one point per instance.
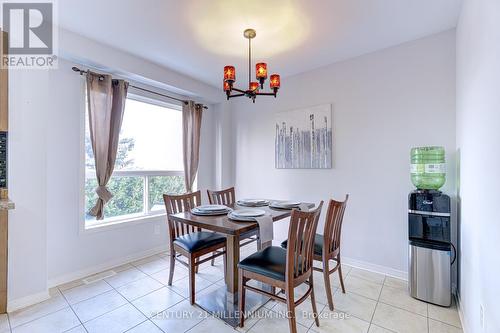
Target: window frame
point(147, 216)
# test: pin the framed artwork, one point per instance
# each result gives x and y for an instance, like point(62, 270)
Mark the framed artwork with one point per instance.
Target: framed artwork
point(304, 138)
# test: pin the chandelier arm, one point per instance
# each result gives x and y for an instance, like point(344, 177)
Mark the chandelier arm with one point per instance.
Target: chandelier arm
point(239, 90)
point(236, 95)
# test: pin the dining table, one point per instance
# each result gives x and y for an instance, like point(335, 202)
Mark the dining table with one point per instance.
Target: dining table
point(223, 302)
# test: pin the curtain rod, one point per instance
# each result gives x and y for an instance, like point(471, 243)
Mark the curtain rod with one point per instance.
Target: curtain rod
point(81, 71)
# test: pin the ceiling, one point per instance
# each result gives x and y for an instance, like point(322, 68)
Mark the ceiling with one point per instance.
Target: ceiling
point(199, 37)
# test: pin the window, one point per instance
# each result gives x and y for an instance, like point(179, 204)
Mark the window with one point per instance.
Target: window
point(148, 163)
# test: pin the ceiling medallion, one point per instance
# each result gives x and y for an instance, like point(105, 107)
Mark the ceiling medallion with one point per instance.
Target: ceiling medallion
point(260, 75)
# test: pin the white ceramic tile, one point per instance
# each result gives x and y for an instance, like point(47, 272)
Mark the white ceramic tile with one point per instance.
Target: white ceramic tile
point(179, 318)
point(367, 275)
point(53, 304)
point(212, 325)
point(139, 288)
point(439, 327)
point(78, 329)
point(96, 306)
point(401, 299)
point(395, 283)
point(86, 291)
point(180, 272)
point(118, 320)
point(319, 287)
point(157, 301)
point(125, 277)
point(146, 327)
point(153, 266)
point(252, 319)
point(274, 322)
point(444, 314)
point(377, 329)
point(363, 287)
point(399, 320)
point(303, 313)
point(212, 273)
point(60, 321)
point(355, 305)
point(340, 322)
point(182, 286)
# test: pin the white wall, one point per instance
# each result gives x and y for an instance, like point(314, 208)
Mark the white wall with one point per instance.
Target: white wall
point(478, 136)
point(45, 245)
point(384, 103)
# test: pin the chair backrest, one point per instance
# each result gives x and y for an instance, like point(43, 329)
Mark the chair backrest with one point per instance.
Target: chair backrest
point(223, 197)
point(180, 203)
point(333, 225)
point(300, 248)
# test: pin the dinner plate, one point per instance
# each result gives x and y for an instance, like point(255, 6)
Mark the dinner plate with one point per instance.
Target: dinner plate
point(211, 208)
point(248, 213)
point(253, 202)
point(285, 204)
point(196, 211)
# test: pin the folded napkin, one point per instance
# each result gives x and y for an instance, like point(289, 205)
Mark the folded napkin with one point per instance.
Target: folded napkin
point(304, 207)
point(265, 223)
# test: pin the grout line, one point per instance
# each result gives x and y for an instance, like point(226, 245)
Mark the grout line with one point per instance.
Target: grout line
point(72, 310)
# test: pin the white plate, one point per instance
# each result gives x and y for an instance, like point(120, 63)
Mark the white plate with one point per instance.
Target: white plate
point(245, 213)
point(254, 201)
point(285, 204)
point(211, 208)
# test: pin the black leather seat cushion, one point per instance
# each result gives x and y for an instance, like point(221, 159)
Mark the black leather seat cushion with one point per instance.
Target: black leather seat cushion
point(318, 244)
point(270, 262)
point(199, 240)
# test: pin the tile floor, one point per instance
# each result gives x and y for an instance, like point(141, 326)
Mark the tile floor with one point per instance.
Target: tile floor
point(137, 299)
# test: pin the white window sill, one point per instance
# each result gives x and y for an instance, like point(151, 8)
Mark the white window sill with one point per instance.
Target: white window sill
point(92, 227)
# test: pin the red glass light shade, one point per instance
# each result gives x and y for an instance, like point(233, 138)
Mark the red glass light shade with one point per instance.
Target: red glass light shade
point(261, 70)
point(254, 86)
point(274, 81)
point(227, 87)
point(229, 73)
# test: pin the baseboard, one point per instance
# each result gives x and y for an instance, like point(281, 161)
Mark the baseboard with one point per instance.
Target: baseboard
point(54, 282)
point(375, 268)
point(19, 303)
point(461, 312)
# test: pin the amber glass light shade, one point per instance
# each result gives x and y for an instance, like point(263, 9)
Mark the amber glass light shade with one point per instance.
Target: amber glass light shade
point(274, 81)
point(254, 86)
point(229, 73)
point(261, 70)
point(227, 86)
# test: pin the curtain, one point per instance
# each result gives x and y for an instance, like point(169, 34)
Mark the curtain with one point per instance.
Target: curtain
point(106, 102)
point(191, 125)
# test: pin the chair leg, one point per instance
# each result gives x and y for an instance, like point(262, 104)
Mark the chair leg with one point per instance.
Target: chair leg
point(313, 301)
point(224, 258)
point(172, 266)
point(196, 268)
point(340, 275)
point(290, 307)
point(192, 278)
point(241, 297)
point(212, 262)
point(328, 287)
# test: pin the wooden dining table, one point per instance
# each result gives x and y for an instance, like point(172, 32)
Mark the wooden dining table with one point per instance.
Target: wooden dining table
point(223, 302)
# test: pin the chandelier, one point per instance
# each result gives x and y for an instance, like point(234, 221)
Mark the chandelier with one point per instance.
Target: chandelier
point(254, 87)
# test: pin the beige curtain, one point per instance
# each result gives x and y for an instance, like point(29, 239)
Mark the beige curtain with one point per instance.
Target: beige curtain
point(191, 121)
point(106, 102)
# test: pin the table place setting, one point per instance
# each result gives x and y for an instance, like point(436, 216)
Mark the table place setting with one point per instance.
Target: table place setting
point(265, 221)
point(211, 210)
point(253, 202)
point(289, 205)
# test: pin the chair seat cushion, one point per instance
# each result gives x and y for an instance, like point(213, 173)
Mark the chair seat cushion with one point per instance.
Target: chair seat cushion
point(270, 262)
point(318, 244)
point(199, 240)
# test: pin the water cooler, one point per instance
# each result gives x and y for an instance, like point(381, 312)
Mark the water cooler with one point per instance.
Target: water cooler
point(430, 247)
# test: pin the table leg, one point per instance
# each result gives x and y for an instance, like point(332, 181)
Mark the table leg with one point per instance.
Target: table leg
point(233, 258)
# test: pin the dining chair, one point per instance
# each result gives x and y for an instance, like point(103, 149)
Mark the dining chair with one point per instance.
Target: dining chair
point(227, 197)
point(189, 241)
point(327, 246)
point(284, 268)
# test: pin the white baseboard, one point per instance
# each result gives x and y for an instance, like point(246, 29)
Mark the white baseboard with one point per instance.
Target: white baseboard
point(54, 282)
point(461, 312)
point(375, 268)
point(19, 303)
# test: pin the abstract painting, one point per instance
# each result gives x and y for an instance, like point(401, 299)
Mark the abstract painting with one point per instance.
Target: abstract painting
point(304, 138)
